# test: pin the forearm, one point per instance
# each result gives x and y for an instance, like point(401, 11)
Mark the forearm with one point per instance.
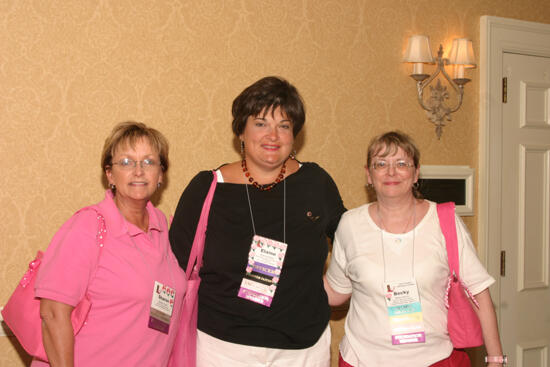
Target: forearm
point(57, 333)
point(489, 325)
point(334, 298)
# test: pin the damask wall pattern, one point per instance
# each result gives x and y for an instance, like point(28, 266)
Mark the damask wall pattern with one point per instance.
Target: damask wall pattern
point(70, 70)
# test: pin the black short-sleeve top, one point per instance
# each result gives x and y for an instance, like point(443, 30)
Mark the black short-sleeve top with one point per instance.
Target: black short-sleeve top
point(299, 312)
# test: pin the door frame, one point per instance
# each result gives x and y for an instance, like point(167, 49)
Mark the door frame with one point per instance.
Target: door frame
point(497, 36)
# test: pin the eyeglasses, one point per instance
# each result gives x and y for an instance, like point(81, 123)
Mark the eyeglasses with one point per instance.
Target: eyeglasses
point(400, 165)
point(128, 164)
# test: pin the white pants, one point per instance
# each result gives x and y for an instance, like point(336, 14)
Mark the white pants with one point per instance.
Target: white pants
point(213, 352)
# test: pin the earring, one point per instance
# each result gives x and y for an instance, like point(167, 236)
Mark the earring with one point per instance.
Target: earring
point(242, 148)
point(416, 185)
point(370, 186)
point(293, 154)
point(112, 186)
point(159, 184)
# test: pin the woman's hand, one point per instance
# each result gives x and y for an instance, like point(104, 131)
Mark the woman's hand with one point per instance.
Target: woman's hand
point(57, 332)
point(489, 325)
point(334, 298)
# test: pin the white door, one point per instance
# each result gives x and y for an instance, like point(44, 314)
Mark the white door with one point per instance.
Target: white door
point(525, 200)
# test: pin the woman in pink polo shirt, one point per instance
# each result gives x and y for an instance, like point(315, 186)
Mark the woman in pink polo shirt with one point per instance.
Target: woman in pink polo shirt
point(130, 274)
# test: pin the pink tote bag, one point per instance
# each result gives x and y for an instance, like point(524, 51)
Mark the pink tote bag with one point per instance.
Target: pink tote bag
point(462, 321)
point(184, 352)
point(22, 312)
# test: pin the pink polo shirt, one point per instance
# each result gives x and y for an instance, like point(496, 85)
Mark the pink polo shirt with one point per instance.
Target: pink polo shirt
point(119, 281)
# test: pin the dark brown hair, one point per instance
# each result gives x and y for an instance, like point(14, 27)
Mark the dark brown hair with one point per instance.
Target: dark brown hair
point(266, 95)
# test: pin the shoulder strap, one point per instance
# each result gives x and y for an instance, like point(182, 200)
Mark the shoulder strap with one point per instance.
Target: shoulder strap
point(101, 227)
point(100, 236)
point(446, 214)
point(200, 234)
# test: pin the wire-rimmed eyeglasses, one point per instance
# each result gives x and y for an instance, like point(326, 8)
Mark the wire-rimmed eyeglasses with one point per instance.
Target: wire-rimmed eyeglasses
point(130, 164)
point(400, 165)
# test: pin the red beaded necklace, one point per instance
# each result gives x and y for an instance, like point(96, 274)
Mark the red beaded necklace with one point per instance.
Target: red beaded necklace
point(267, 186)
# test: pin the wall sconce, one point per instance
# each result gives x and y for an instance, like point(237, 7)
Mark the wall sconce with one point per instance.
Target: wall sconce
point(461, 56)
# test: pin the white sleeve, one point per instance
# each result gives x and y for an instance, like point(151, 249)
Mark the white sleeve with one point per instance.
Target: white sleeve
point(336, 272)
point(472, 271)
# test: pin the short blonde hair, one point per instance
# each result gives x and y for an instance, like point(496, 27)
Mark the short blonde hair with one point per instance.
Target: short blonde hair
point(130, 132)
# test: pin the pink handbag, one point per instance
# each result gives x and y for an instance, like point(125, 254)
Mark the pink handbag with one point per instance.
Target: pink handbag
point(184, 352)
point(22, 312)
point(462, 321)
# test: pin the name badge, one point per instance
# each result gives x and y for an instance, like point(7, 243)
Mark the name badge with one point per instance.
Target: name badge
point(405, 312)
point(162, 306)
point(265, 262)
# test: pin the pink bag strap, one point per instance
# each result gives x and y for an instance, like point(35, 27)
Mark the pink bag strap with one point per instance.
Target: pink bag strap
point(200, 235)
point(101, 227)
point(446, 214)
point(32, 270)
point(100, 235)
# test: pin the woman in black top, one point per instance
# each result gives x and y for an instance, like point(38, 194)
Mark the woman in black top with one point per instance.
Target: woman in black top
point(261, 300)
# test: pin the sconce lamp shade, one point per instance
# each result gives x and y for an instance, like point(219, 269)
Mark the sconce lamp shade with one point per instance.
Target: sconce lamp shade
point(418, 50)
point(462, 53)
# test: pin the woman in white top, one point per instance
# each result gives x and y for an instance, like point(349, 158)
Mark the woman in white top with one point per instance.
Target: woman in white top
point(392, 253)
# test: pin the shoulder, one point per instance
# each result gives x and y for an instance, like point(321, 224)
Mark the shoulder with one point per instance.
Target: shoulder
point(195, 192)
point(426, 209)
point(200, 183)
point(355, 214)
point(84, 221)
point(78, 232)
point(359, 211)
point(159, 213)
point(202, 178)
point(432, 205)
point(312, 167)
point(161, 220)
point(433, 212)
point(311, 170)
point(353, 228)
point(232, 173)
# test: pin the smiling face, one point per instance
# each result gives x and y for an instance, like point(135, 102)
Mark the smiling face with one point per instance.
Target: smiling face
point(134, 184)
point(395, 180)
point(268, 140)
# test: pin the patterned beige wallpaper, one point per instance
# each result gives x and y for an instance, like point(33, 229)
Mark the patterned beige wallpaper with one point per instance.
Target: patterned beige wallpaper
point(69, 70)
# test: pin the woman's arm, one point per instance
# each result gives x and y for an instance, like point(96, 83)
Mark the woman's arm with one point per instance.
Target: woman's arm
point(57, 332)
point(334, 298)
point(334, 205)
point(186, 217)
point(489, 326)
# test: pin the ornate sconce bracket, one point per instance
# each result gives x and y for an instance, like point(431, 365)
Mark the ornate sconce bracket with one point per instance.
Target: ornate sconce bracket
point(437, 110)
point(437, 106)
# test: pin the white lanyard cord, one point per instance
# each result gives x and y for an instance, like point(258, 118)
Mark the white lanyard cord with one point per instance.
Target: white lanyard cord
point(382, 239)
point(284, 210)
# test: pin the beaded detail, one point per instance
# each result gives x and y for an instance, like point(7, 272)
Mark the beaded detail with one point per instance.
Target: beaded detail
point(100, 237)
point(33, 270)
point(267, 186)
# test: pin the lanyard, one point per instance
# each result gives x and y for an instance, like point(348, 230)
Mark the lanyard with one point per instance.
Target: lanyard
point(284, 210)
point(382, 239)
